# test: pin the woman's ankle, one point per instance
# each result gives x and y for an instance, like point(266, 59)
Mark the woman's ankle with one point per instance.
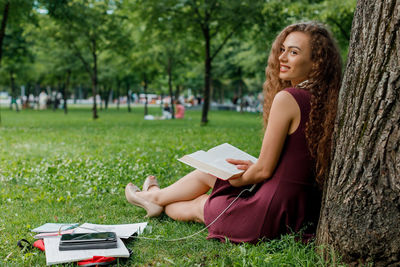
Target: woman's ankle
point(150, 196)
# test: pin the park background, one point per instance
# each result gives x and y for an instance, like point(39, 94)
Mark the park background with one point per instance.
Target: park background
point(123, 51)
point(72, 165)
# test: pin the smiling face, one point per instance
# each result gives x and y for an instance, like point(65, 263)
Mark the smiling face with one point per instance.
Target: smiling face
point(295, 58)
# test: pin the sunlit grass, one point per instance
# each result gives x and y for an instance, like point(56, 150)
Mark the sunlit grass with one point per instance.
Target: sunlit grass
point(69, 168)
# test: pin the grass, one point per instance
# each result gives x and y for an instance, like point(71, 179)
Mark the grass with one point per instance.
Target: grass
point(69, 168)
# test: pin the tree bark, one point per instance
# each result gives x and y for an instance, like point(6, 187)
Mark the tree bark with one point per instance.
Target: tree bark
point(361, 205)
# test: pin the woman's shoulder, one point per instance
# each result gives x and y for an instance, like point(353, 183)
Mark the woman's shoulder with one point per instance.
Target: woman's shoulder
point(284, 101)
point(302, 97)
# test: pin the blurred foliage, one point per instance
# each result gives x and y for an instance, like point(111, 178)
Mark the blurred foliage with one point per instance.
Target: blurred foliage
point(152, 40)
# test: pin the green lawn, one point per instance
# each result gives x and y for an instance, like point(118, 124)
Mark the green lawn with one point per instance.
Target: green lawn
point(69, 168)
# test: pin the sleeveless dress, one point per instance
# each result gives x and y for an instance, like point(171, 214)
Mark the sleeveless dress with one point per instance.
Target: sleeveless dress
point(287, 202)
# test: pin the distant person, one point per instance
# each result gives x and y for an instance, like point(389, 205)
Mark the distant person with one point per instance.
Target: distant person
point(180, 110)
point(235, 99)
point(166, 112)
point(42, 100)
point(301, 92)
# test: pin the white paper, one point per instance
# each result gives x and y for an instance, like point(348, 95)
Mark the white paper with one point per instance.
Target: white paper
point(54, 227)
point(55, 256)
point(122, 230)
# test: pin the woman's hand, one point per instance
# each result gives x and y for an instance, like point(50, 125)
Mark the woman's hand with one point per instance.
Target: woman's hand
point(240, 164)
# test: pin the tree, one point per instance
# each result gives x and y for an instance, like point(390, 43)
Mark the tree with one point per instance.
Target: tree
point(15, 58)
point(55, 62)
point(13, 12)
point(361, 203)
point(4, 19)
point(88, 27)
point(213, 20)
point(171, 51)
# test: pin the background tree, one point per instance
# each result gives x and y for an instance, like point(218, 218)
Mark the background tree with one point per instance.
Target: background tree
point(55, 59)
point(159, 45)
point(143, 57)
point(361, 205)
point(170, 50)
point(209, 19)
point(14, 12)
point(88, 27)
point(5, 5)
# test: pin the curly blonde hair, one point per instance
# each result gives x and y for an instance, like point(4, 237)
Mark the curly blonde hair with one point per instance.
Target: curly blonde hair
point(323, 83)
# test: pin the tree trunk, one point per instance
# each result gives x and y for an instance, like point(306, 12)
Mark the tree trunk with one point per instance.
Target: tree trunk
point(177, 91)
point(118, 93)
point(241, 87)
point(207, 77)
point(3, 26)
point(171, 93)
point(118, 97)
point(241, 96)
point(13, 92)
point(65, 92)
point(128, 96)
point(105, 96)
point(55, 96)
point(94, 79)
point(145, 96)
point(361, 206)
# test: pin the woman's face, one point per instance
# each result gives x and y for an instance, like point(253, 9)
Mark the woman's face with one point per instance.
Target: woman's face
point(295, 58)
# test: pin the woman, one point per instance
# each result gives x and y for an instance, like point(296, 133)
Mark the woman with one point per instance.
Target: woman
point(301, 91)
point(180, 110)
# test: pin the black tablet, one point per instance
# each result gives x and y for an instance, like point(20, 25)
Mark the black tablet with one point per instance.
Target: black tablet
point(99, 240)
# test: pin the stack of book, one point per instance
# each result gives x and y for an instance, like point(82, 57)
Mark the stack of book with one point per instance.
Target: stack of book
point(70, 242)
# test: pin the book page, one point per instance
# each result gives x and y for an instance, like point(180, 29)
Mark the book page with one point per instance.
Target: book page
point(226, 150)
point(219, 163)
point(215, 158)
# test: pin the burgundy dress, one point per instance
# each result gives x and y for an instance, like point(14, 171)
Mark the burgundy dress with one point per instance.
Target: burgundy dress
point(285, 203)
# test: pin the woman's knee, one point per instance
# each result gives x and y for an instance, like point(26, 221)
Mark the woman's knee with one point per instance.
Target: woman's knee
point(206, 178)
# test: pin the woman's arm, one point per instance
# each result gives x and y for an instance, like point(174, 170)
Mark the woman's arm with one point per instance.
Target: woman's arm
point(284, 118)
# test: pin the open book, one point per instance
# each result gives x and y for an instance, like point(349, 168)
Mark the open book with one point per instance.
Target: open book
point(214, 160)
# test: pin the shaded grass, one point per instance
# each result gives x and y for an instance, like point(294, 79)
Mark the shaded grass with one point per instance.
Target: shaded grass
point(69, 168)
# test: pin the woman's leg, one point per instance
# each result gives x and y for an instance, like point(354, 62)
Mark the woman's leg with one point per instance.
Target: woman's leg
point(188, 188)
point(191, 210)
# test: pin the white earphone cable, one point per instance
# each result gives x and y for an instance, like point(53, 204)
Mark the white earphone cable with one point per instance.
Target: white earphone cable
point(196, 233)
